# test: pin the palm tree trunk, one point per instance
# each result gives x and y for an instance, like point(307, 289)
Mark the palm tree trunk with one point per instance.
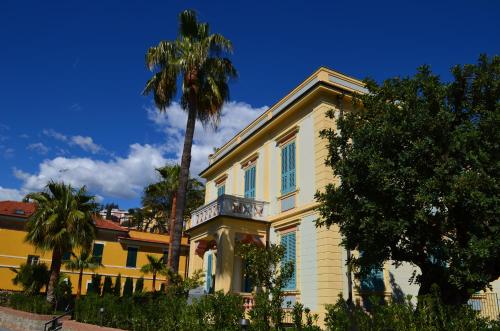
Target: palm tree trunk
point(55, 269)
point(79, 291)
point(171, 228)
point(154, 281)
point(175, 242)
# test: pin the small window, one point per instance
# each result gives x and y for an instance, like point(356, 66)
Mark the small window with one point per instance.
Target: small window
point(97, 252)
point(33, 259)
point(20, 212)
point(221, 190)
point(66, 256)
point(132, 257)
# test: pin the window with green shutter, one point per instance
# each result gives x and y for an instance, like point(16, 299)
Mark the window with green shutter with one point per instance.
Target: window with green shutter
point(288, 242)
point(250, 182)
point(288, 168)
point(373, 281)
point(221, 190)
point(97, 252)
point(132, 257)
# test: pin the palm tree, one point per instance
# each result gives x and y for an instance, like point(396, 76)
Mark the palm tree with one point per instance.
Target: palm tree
point(81, 262)
point(155, 266)
point(197, 59)
point(62, 221)
point(160, 197)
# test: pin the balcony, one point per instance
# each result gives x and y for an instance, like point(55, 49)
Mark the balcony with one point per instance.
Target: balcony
point(230, 205)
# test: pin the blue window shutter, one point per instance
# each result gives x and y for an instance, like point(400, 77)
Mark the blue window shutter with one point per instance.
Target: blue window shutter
point(208, 282)
point(250, 182)
point(284, 171)
point(288, 168)
point(221, 190)
point(291, 166)
point(288, 242)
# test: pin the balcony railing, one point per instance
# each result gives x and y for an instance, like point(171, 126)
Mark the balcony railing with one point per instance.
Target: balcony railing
point(230, 205)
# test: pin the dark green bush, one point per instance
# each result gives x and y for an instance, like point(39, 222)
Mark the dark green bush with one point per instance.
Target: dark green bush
point(30, 303)
point(117, 290)
point(431, 316)
point(162, 311)
point(128, 288)
point(107, 288)
point(31, 277)
point(139, 286)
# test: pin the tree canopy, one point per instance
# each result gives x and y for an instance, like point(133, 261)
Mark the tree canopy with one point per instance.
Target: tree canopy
point(419, 164)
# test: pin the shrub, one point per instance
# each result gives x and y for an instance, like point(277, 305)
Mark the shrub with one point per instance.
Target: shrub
point(31, 277)
point(107, 288)
point(95, 285)
point(162, 311)
point(128, 288)
point(30, 303)
point(117, 290)
point(430, 316)
point(139, 286)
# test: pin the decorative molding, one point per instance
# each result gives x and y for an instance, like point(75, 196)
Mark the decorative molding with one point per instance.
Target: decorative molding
point(249, 161)
point(221, 179)
point(286, 137)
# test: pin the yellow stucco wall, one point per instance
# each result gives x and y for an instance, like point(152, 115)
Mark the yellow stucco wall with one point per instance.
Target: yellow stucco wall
point(14, 251)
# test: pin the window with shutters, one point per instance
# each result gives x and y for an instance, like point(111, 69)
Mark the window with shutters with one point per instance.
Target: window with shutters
point(288, 242)
point(97, 252)
point(132, 257)
point(250, 182)
point(288, 168)
point(373, 281)
point(221, 190)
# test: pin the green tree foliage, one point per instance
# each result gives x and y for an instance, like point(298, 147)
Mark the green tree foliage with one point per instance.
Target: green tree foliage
point(139, 286)
point(159, 199)
point(155, 266)
point(61, 222)
point(270, 275)
point(419, 165)
point(107, 288)
point(31, 277)
point(117, 290)
point(197, 59)
point(431, 316)
point(128, 288)
point(95, 285)
point(80, 263)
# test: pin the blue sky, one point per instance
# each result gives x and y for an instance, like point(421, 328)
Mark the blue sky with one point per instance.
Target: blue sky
point(72, 72)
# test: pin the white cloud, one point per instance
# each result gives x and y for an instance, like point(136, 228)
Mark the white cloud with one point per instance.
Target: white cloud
point(235, 116)
point(54, 134)
point(121, 177)
point(125, 177)
point(85, 143)
point(39, 148)
point(10, 194)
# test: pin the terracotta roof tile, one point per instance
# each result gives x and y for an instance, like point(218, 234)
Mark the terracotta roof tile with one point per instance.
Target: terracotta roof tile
point(101, 223)
point(17, 209)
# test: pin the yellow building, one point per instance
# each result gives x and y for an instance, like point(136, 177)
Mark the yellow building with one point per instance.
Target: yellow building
point(260, 188)
point(122, 251)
